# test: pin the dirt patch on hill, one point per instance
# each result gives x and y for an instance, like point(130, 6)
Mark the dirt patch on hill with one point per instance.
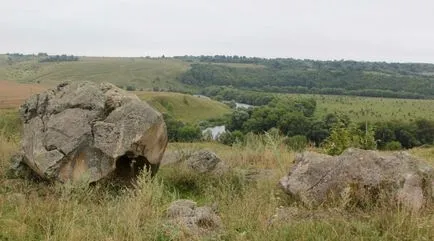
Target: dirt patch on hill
point(13, 94)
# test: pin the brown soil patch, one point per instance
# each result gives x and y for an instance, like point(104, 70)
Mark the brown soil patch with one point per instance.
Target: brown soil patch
point(13, 94)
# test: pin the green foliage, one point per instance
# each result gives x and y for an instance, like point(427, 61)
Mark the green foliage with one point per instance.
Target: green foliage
point(172, 125)
point(366, 137)
point(425, 131)
point(131, 88)
point(297, 143)
point(177, 131)
point(342, 137)
point(232, 104)
point(291, 116)
point(188, 133)
point(237, 120)
point(393, 146)
point(56, 58)
point(229, 138)
point(319, 77)
point(407, 134)
point(292, 124)
point(242, 96)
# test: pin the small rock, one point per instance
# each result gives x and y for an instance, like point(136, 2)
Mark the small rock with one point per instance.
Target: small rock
point(172, 157)
point(196, 220)
point(203, 161)
point(19, 169)
point(181, 208)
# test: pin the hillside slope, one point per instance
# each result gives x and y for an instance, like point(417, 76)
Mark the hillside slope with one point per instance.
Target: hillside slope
point(186, 108)
point(138, 73)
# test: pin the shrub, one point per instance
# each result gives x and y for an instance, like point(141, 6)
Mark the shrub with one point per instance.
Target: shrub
point(189, 133)
point(131, 88)
point(229, 138)
point(393, 146)
point(297, 143)
point(342, 137)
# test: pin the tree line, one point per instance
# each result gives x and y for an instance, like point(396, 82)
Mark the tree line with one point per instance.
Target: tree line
point(339, 78)
point(40, 57)
point(58, 58)
point(221, 93)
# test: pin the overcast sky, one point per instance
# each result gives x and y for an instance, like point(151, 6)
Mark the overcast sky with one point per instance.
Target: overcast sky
point(381, 30)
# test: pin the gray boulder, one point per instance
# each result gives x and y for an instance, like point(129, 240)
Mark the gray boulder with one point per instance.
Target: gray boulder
point(358, 176)
point(87, 130)
point(196, 221)
point(204, 161)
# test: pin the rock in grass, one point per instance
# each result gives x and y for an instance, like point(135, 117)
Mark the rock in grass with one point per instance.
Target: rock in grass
point(360, 177)
point(87, 130)
point(204, 161)
point(194, 220)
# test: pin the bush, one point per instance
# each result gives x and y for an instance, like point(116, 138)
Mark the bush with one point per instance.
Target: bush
point(297, 143)
point(342, 137)
point(131, 88)
point(393, 146)
point(229, 138)
point(189, 133)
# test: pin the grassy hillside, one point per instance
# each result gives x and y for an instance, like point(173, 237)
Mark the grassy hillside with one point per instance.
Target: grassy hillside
point(186, 108)
point(373, 109)
point(137, 72)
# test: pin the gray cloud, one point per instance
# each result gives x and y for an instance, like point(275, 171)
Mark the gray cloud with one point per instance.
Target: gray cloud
point(383, 30)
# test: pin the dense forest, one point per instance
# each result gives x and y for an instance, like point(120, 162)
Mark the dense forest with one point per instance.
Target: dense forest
point(376, 79)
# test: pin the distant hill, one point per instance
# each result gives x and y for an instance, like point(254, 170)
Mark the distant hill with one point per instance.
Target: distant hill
point(136, 73)
point(375, 79)
point(192, 73)
point(184, 107)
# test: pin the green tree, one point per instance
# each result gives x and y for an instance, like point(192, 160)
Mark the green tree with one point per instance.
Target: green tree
point(189, 133)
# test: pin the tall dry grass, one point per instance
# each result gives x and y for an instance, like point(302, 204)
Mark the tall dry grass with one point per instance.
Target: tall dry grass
point(247, 206)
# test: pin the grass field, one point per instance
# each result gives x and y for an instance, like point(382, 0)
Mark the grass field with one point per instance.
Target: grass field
point(138, 72)
point(362, 109)
point(185, 107)
point(40, 211)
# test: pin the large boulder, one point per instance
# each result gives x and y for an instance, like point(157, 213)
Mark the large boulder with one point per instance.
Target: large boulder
point(360, 175)
point(87, 130)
